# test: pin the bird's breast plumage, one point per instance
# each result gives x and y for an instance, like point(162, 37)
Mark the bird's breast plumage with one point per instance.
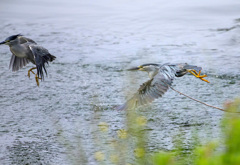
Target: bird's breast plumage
point(20, 50)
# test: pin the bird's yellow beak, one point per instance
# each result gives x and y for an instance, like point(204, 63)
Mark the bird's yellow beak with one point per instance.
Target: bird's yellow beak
point(136, 68)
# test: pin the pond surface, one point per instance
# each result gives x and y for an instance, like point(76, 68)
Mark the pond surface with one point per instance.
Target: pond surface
point(94, 42)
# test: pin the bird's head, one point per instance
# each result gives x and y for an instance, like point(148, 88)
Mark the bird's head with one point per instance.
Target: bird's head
point(151, 68)
point(10, 40)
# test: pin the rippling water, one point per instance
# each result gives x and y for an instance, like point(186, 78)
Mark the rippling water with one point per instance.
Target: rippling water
point(94, 42)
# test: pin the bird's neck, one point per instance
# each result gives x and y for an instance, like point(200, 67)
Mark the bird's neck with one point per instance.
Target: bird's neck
point(152, 73)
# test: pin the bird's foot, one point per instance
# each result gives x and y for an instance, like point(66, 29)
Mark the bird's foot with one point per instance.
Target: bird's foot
point(197, 74)
point(30, 70)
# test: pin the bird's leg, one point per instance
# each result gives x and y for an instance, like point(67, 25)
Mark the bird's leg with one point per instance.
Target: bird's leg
point(37, 78)
point(193, 72)
point(30, 70)
point(197, 74)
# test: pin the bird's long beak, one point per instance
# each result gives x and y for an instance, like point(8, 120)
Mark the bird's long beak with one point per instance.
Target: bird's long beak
point(1, 43)
point(134, 68)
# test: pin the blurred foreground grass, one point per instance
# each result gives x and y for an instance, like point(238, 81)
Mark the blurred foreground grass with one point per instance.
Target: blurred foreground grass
point(214, 153)
point(128, 145)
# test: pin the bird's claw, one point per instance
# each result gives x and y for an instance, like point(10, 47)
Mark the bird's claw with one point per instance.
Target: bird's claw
point(197, 74)
point(205, 80)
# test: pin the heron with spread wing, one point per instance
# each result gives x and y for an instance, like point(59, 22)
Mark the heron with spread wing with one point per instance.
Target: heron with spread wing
point(161, 78)
point(25, 50)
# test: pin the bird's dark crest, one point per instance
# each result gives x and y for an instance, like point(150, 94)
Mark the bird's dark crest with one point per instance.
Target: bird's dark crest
point(13, 37)
point(150, 64)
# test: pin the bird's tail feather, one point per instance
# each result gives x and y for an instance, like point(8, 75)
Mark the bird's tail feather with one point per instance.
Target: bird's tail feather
point(45, 59)
point(196, 68)
point(51, 57)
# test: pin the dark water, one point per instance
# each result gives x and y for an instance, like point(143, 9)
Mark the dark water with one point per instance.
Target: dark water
point(94, 42)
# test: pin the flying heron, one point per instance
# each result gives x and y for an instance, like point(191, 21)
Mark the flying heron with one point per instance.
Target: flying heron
point(161, 78)
point(25, 50)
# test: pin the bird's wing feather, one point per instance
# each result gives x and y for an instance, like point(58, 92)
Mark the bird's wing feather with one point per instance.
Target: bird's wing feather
point(25, 40)
point(152, 89)
point(41, 56)
point(17, 63)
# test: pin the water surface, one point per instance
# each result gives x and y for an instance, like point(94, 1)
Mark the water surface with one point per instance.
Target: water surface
point(94, 43)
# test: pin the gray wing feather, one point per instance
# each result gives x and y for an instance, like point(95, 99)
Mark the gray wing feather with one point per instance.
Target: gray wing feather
point(152, 89)
point(42, 56)
point(25, 40)
point(17, 63)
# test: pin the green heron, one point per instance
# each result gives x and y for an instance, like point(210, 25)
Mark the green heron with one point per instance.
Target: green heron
point(161, 78)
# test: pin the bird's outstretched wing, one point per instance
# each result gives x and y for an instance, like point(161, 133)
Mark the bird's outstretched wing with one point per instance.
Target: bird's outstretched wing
point(17, 63)
point(41, 56)
point(152, 89)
